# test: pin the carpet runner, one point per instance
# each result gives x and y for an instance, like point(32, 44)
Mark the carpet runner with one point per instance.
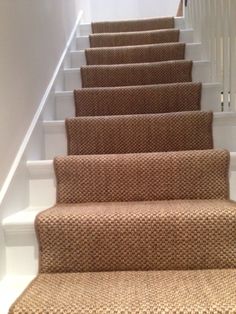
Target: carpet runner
point(143, 222)
point(132, 292)
point(147, 99)
point(139, 133)
point(133, 25)
point(135, 54)
point(136, 74)
point(134, 38)
point(142, 177)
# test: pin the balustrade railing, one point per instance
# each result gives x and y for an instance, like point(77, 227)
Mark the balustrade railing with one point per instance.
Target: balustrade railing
point(214, 24)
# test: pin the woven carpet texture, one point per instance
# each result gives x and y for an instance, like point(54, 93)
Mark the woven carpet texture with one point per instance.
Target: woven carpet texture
point(142, 177)
point(135, 54)
point(134, 38)
point(129, 100)
point(133, 25)
point(167, 235)
point(136, 74)
point(132, 292)
point(139, 133)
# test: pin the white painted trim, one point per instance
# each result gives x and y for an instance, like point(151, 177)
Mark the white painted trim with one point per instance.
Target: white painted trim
point(225, 119)
point(44, 99)
point(40, 168)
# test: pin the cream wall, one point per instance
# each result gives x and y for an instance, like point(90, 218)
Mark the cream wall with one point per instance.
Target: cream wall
point(122, 9)
point(33, 34)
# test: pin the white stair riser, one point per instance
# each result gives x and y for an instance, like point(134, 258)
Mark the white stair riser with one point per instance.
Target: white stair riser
point(186, 36)
point(86, 29)
point(192, 52)
point(22, 254)
point(200, 73)
point(211, 100)
point(224, 130)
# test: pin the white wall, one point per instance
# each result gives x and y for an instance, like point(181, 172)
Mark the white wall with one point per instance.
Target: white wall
point(33, 34)
point(124, 9)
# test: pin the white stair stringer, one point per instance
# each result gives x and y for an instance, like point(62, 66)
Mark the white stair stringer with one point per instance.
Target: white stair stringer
point(200, 73)
point(211, 100)
point(192, 52)
point(185, 36)
point(224, 134)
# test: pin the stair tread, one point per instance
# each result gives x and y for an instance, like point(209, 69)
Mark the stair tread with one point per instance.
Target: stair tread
point(134, 38)
point(151, 235)
point(138, 133)
point(135, 54)
point(204, 291)
point(219, 117)
point(131, 25)
point(143, 176)
point(148, 99)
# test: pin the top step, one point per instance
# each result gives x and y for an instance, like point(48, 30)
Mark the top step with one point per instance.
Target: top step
point(86, 29)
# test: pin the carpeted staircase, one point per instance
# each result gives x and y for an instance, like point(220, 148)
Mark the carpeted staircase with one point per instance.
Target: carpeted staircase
point(143, 221)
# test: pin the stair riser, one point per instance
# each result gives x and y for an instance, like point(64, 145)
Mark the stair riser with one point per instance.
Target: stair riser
point(22, 254)
point(210, 101)
point(224, 131)
point(43, 188)
point(86, 29)
point(22, 247)
point(192, 52)
point(186, 36)
point(200, 73)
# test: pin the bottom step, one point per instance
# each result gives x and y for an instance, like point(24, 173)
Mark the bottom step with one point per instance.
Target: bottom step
point(208, 291)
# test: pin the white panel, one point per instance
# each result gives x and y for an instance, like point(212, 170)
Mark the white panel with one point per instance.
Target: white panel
point(201, 71)
point(233, 185)
point(72, 79)
point(82, 42)
point(65, 107)
point(211, 97)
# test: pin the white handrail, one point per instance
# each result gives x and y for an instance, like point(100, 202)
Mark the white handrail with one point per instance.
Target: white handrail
point(214, 24)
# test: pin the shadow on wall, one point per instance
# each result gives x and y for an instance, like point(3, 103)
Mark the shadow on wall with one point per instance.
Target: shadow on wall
point(125, 9)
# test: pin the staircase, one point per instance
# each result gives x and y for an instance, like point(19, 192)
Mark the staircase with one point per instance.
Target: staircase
point(143, 221)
